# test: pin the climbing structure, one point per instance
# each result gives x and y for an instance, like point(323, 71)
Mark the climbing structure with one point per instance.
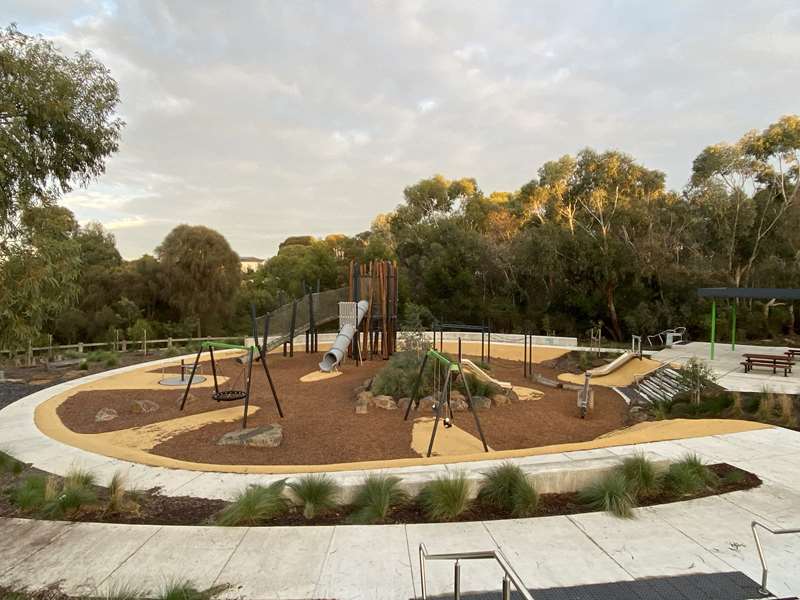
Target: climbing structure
point(376, 283)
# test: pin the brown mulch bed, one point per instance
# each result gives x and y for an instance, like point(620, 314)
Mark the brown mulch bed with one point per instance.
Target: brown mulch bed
point(321, 426)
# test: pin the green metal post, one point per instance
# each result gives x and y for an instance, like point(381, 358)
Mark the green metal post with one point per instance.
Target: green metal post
point(733, 326)
point(713, 326)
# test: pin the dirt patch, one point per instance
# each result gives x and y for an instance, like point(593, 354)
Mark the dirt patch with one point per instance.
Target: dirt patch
point(320, 424)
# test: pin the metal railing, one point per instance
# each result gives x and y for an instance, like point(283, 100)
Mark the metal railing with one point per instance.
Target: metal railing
point(764, 571)
point(510, 576)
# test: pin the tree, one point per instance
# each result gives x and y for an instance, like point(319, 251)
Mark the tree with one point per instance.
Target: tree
point(57, 123)
point(39, 275)
point(200, 275)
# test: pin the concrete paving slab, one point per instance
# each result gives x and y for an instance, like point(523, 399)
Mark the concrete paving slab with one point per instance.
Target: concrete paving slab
point(25, 538)
point(726, 533)
point(73, 561)
point(476, 575)
point(553, 552)
point(174, 554)
point(777, 469)
point(367, 562)
point(646, 546)
point(771, 503)
point(277, 562)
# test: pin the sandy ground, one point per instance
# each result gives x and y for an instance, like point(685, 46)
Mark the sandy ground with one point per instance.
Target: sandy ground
point(452, 441)
point(625, 375)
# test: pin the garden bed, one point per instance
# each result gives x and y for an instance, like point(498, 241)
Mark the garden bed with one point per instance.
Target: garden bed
point(151, 507)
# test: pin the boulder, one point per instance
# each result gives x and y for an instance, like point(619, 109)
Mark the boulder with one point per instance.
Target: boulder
point(144, 406)
point(426, 403)
point(269, 436)
point(501, 400)
point(384, 402)
point(105, 414)
point(403, 403)
point(524, 394)
point(481, 402)
point(365, 398)
point(458, 402)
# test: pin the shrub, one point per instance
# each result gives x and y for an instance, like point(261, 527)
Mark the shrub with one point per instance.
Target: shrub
point(643, 479)
point(661, 409)
point(181, 590)
point(445, 498)
point(30, 494)
point(611, 494)
point(376, 497)
point(255, 505)
point(398, 376)
point(9, 464)
point(84, 366)
point(317, 494)
point(116, 493)
point(112, 361)
point(696, 375)
point(689, 476)
point(79, 477)
point(69, 500)
point(120, 591)
point(508, 489)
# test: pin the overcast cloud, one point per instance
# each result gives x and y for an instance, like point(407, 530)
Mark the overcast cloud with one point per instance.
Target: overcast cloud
point(269, 119)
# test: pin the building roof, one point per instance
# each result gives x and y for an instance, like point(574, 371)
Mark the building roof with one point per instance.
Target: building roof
point(756, 293)
point(250, 259)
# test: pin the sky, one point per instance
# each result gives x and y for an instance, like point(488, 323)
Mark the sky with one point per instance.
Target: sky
point(269, 119)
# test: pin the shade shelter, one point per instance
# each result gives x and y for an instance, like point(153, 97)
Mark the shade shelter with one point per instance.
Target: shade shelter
point(744, 294)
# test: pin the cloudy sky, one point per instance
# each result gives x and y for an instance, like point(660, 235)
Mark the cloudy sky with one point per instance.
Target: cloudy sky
point(269, 119)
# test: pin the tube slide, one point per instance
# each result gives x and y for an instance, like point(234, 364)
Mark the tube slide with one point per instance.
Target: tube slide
point(613, 365)
point(335, 355)
point(470, 366)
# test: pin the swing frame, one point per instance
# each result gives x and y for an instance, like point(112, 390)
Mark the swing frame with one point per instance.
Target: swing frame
point(454, 370)
point(233, 395)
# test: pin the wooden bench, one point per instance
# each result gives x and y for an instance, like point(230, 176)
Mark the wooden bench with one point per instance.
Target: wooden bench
point(775, 361)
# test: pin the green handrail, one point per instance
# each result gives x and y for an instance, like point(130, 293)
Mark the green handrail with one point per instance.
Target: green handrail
point(453, 366)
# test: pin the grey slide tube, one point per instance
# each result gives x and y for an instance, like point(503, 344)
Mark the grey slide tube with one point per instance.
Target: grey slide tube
point(335, 355)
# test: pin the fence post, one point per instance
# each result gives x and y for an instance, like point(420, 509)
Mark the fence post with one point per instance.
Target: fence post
point(144, 342)
point(80, 347)
point(169, 342)
point(50, 349)
point(29, 354)
point(124, 345)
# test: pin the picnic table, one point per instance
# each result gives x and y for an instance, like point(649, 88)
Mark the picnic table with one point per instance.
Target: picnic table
point(776, 361)
point(792, 353)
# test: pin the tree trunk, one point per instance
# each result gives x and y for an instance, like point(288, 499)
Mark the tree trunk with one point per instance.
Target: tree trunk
point(616, 330)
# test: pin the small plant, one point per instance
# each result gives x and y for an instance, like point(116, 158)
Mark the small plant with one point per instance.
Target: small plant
point(643, 479)
point(696, 375)
point(84, 366)
point(112, 361)
point(317, 494)
point(9, 464)
point(116, 493)
point(376, 497)
point(661, 409)
point(181, 590)
point(611, 494)
point(508, 489)
point(736, 477)
point(689, 476)
point(79, 477)
point(30, 494)
point(445, 498)
point(255, 505)
point(120, 591)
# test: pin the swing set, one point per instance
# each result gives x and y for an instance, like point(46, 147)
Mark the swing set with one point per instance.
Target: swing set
point(445, 372)
point(235, 391)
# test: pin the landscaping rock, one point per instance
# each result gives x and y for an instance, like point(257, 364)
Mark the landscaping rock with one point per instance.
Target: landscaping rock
point(384, 402)
point(365, 398)
point(481, 402)
point(501, 400)
point(105, 414)
point(145, 406)
point(426, 403)
point(367, 384)
point(524, 394)
point(270, 436)
point(403, 403)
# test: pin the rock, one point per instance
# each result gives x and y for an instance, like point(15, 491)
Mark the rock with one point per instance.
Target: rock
point(270, 436)
point(501, 400)
point(367, 384)
point(481, 402)
point(105, 414)
point(144, 406)
point(455, 396)
point(359, 389)
point(403, 403)
point(365, 398)
point(458, 402)
point(384, 402)
point(524, 394)
point(426, 403)
point(512, 395)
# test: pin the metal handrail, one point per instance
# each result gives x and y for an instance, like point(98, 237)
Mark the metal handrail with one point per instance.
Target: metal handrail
point(510, 575)
point(764, 571)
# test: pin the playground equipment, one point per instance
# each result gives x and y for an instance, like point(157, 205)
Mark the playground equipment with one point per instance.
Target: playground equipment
point(442, 406)
point(470, 366)
point(596, 339)
point(233, 393)
point(668, 337)
point(350, 316)
point(173, 380)
point(485, 331)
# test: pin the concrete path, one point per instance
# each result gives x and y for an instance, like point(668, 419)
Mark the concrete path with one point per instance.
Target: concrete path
point(711, 535)
point(730, 373)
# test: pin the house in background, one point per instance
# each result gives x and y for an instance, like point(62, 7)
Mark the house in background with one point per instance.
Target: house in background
point(250, 263)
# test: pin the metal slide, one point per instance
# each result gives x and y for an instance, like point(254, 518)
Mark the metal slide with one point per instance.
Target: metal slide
point(335, 355)
point(470, 366)
point(613, 365)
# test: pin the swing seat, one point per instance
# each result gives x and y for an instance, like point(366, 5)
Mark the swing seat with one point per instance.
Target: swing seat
point(229, 395)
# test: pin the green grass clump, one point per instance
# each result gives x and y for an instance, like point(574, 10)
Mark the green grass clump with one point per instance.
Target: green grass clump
point(30, 494)
point(255, 505)
point(9, 464)
point(375, 498)
point(84, 366)
point(182, 590)
point(445, 498)
point(120, 591)
point(611, 494)
point(317, 494)
point(117, 489)
point(643, 479)
point(690, 476)
point(79, 477)
point(508, 489)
